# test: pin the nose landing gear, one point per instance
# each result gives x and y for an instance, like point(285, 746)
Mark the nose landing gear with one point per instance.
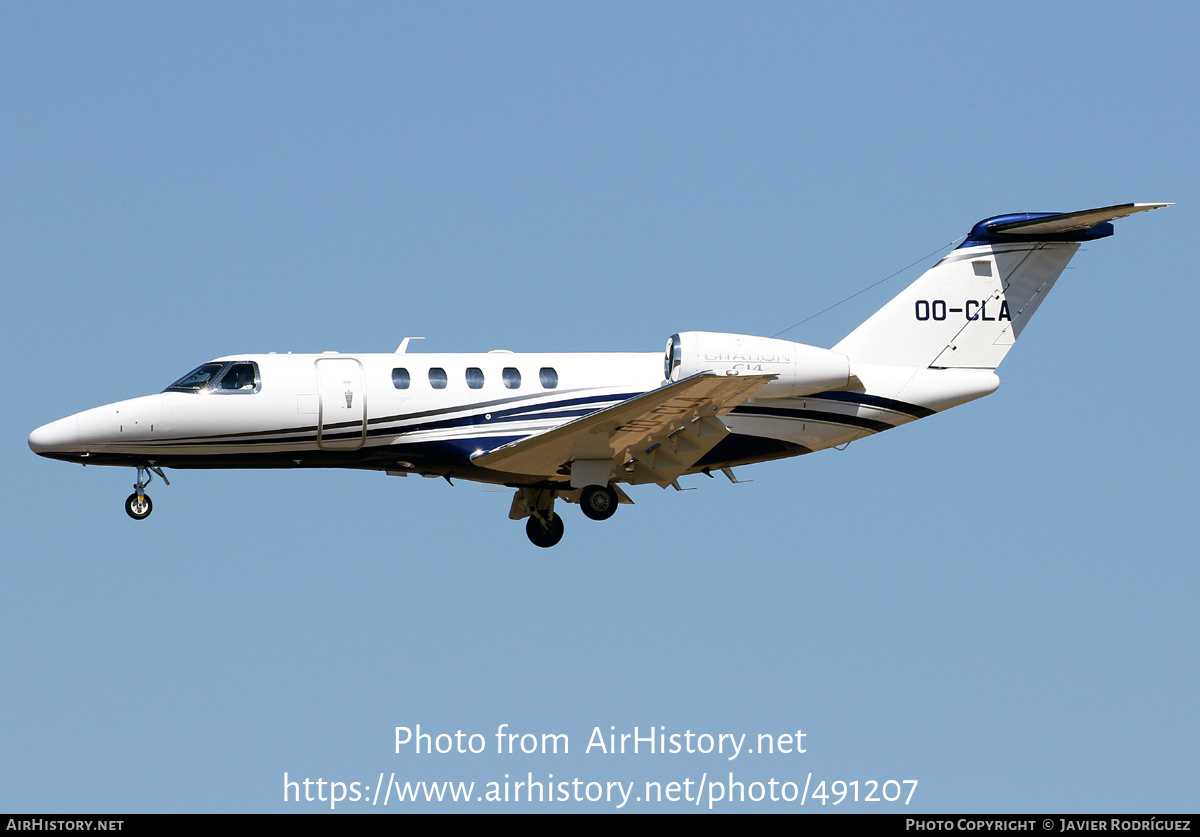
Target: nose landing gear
point(137, 504)
point(138, 507)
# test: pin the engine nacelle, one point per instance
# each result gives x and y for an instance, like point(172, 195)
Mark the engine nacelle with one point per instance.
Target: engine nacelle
point(802, 370)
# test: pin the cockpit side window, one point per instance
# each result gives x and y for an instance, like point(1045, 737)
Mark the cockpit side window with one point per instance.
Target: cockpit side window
point(198, 379)
point(239, 377)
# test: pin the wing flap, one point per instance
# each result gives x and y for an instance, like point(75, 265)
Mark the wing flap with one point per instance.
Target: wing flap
point(659, 434)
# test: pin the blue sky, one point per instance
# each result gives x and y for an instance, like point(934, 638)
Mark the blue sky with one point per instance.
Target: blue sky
point(998, 602)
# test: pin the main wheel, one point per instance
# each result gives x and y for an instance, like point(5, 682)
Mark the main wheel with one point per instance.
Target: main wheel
point(547, 534)
point(599, 502)
point(138, 509)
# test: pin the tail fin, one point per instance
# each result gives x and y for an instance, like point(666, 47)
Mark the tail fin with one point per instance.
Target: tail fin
point(968, 309)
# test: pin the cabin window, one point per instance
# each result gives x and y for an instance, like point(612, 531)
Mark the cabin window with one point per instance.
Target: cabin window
point(239, 377)
point(512, 378)
point(197, 379)
point(437, 377)
point(401, 379)
point(474, 377)
point(548, 377)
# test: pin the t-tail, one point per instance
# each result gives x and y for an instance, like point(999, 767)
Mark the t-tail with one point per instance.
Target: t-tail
point(967, 310)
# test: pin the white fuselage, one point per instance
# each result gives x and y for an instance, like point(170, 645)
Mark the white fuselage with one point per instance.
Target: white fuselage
point(429, 413)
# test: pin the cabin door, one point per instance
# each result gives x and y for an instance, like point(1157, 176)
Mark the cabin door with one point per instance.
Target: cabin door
point(342, 423)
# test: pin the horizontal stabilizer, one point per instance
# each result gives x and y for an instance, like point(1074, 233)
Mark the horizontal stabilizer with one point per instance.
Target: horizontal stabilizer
point(1066, 222)
point(1061, 227)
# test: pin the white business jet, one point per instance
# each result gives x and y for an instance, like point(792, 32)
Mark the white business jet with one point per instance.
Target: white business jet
point(575, 427)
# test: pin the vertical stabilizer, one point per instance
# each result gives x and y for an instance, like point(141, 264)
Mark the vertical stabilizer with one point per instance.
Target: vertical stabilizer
point(967, 310)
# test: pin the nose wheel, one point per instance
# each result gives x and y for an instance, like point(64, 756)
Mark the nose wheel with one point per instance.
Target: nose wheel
point(137, 504)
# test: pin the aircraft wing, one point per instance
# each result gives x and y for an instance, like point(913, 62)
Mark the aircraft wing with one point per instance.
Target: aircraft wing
point(654, 437)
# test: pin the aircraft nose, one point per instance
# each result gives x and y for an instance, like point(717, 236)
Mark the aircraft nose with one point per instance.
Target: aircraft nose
point(58, 435)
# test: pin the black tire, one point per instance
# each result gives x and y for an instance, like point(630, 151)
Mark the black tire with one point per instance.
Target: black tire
point(544, 535)
point(599, 502)
point(136, 510)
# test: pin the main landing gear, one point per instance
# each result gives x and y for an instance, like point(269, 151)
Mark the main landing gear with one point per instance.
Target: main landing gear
point(599, 502)
point(544, 528)
point(544, 531)
point(137, 504)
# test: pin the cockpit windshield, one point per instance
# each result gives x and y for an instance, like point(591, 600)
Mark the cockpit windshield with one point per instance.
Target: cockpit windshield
point(236, 376)
point(197, 379)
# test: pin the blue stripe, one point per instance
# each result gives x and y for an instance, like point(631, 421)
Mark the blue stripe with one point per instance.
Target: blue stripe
point(879, 401)
point(529, 412)
point(814, 415)
point(484, 407)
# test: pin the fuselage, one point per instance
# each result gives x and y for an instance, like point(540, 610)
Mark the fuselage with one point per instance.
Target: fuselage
point(430, 413)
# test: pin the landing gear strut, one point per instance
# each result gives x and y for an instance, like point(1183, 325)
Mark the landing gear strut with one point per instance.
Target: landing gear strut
point(137, 504)
point(599, 502)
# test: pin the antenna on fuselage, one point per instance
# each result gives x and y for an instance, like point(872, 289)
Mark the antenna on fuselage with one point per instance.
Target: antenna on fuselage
point(403, 347)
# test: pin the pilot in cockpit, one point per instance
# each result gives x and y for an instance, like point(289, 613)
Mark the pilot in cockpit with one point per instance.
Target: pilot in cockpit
point(240, 376)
